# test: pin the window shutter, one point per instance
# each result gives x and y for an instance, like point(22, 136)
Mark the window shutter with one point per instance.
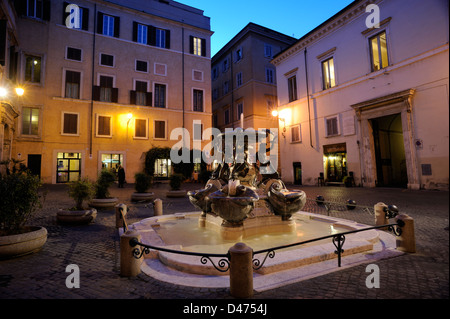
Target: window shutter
point(96, 93)
point(149, 98)
point(151, 35)
point(100, 22)
point(203, 47)
point(133, 97)
point(115, 95)
point(46, 9)
point(135, 31)
point(116, 27)
point(85, 19)
point(167, 39)
point(191, 44)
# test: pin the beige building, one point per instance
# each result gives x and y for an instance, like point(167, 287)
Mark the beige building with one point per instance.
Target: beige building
point(105, 81)
point(368, 99)
point(244, 81)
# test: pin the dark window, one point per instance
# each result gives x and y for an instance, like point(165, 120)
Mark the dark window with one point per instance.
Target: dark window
point(140, 128)
point(70, 123)
point(292, 88)
point(104, 125)
point(140, 96)
point(106, 59)
point(73, 54)
point(198, 100)
point(160, 95)
point(141, 66)
point(160, 129)
point(105, 92)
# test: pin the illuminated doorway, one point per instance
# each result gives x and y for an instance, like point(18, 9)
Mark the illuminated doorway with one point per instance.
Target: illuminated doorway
point(335, 162)
point(68, 167)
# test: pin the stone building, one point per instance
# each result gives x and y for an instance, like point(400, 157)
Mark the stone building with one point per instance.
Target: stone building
point(105, 81)
point(368, 100)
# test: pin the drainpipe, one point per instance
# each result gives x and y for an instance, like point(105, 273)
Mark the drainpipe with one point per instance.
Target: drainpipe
point(182, 75)
point(307, 97)
point(91, 126)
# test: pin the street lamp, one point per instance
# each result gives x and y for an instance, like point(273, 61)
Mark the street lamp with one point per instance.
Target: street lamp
point(282, 119)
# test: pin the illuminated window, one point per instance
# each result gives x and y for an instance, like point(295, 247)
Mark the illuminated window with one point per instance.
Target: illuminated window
point(378, 51)
point(32, 69)
point(197, 46)
point(328, 74)
point(30, 121)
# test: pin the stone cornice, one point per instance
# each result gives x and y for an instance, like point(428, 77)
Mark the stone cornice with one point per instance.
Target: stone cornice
point(325, 29)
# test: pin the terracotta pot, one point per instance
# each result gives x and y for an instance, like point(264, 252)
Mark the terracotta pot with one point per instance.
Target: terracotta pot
point(76, 217)
point(32, 240)
point(103, 202)
point(139, 197)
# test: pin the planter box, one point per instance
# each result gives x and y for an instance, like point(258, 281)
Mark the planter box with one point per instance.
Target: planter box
point(76, 217)
point(12, 246)
point(141, 197)
point(103, 202)
point(176, 194)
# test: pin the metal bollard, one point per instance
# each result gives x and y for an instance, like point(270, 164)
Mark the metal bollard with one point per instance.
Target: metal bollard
point(380, 214)
point(407, 240)
point(157, 207)
point(129, 265)
point(241, 271)
point(119, 219)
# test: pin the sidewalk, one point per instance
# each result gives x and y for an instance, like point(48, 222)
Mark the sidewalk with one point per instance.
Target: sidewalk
point(95, 249)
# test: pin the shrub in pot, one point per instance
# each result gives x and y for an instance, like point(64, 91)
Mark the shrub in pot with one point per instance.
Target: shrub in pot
point(20, 199)
point(80, 191)
point(142, 184)
point(101, 198)
point(175, 182)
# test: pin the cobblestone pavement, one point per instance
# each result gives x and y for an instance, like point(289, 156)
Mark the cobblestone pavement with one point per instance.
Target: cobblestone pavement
point(95, 249)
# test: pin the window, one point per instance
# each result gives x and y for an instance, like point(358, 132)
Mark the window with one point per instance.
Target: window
point(227, 116)
point(197, 131)
point(240, 109)
point(70, 124)
point(140, 128)
point(198, 100)
point(267, 50)
point(72, 87)
point(160, 95)
point(32, 69)
point(215, 94)
point(378, 51)
point(35, 9)
point(104, 126)
point(238, 55)
point(215, 120)
point(292, 88)
point(239, 79)
point(141, 66)
point(30, 121)
point(108, 25)
point(73, 54)
point(106, 92)
point(269, 75)
point(197, 46)
point(141, 36)
point(329, 80)
point(106, 60)
point(68, 167)
point(159, 129)
point(214, 73)
point(226, 87)
point(140, 96)
point(225, 65)
point(295, 134)
point(160, 38)
point(332, 126)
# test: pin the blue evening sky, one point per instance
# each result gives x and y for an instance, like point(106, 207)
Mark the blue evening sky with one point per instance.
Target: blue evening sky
point(291, 17)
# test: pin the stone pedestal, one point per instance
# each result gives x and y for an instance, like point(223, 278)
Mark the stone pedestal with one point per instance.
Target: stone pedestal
point(129, 265)
point(241, 271)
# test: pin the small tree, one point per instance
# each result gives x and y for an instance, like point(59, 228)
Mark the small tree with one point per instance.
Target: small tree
point(175, 181)
point(142, 182)
point(81, 191)
point(19, 198)
point(104, 181)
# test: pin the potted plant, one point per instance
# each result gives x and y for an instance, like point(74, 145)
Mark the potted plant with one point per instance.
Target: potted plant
point(101, 198)
point(80, 191)
point(175, 186)
point(19, 198)
point(142, 184)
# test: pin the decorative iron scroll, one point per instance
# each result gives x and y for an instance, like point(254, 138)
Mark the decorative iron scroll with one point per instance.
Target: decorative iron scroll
point(223, 265)
point(257, 264)
point(338, 242)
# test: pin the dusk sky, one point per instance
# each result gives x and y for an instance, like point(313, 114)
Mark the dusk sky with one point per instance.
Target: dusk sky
point(291, 17)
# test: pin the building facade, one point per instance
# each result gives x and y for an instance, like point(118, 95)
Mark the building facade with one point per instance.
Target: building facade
point(105, 81)
point(368, 101)
point(244, 80)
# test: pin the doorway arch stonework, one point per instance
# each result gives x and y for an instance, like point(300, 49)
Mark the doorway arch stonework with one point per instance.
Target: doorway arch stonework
point(396, 103)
